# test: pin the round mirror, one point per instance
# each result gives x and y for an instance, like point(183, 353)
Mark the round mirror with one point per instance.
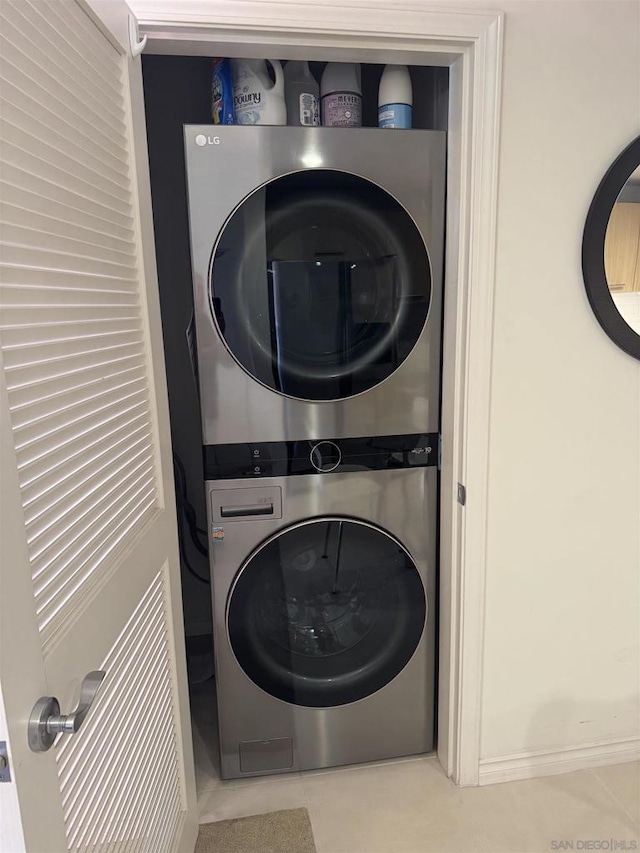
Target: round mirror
point(611, 251)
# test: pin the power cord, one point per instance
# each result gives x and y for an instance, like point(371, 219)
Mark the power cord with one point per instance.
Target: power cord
point(187, 513)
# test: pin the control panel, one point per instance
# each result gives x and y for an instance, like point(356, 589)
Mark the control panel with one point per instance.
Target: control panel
point(320, 456)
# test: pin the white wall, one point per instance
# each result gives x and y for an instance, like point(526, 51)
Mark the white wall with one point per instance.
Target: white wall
point(561, 657)
point(561, 652)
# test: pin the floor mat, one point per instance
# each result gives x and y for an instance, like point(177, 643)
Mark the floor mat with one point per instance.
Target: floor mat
point(286, 831)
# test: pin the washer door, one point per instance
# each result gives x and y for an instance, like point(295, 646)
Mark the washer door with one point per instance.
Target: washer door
point(320, 285)
point(326, 612)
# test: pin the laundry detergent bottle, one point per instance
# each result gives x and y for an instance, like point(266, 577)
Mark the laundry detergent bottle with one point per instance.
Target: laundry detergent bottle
point(395, 97)
point(341, 95)
point(301, 94)
point(257, 99)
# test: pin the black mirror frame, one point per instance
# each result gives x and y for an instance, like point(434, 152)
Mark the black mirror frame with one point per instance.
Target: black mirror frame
point(593, 269)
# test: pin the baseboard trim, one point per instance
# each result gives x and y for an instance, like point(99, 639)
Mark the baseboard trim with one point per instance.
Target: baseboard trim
point(527, 765)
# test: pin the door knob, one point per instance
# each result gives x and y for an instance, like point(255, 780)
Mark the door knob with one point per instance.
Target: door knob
point(46, 721)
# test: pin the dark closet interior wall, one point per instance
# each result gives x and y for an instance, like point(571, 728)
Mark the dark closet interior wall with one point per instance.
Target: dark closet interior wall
point(430, 97)
point(177, 91)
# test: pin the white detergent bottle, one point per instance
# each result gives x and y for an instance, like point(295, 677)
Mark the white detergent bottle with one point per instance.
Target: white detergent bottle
point(395, 97)
point(257, 99)
point(341, 95)
point(301, 93)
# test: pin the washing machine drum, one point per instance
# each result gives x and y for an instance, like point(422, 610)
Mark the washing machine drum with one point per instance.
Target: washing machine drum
point(326, 612)
point(320, 285)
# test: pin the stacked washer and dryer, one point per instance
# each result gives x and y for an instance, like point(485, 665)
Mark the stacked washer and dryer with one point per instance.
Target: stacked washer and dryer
point(317, 269)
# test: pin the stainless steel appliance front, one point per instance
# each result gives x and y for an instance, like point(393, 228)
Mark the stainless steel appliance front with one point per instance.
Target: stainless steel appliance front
point(324, 618)
point(317, 269)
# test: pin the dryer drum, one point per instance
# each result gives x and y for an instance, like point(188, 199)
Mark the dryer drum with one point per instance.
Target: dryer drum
point(326, 612)
point(320, 285)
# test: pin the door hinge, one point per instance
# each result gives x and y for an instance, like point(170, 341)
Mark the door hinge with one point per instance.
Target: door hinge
point(462, 494)
point(5, 771)
point(439, 451)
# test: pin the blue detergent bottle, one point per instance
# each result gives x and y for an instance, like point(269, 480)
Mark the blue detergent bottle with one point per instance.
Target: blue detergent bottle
point(222, 93)
point(395, 97)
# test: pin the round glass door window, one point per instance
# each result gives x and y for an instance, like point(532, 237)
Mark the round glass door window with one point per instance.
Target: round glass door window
point(320, 285)
point(326, 612)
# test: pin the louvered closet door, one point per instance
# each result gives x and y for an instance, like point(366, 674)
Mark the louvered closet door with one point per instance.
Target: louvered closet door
point(90, 572)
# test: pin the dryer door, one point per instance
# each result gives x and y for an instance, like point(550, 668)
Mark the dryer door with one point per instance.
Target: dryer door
point(320, 285)
point(326, 612)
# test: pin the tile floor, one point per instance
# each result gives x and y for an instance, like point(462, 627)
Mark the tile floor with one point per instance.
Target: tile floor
point(409, 806)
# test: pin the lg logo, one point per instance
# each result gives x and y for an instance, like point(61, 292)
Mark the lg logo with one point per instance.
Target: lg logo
point(201, 140)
